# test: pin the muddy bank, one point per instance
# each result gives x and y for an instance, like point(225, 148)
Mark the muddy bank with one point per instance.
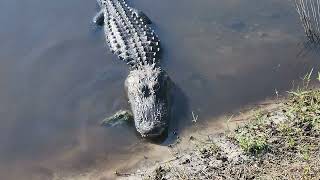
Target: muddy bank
point(278, 141)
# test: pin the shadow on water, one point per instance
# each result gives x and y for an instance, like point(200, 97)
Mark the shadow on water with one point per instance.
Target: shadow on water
point(179, 113)
point(308, 48)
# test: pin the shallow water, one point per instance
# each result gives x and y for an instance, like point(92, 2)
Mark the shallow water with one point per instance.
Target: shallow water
point(58, 79)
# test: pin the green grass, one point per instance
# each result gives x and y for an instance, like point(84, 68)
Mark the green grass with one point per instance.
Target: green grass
point(305, 106)
point(302, 109)
point(251, 144)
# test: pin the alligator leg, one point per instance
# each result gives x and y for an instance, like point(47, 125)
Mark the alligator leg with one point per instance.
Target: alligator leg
point(119, 118)
point(98, 19)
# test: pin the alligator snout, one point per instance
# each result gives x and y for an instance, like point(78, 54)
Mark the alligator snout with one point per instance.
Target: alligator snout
point(153, 122)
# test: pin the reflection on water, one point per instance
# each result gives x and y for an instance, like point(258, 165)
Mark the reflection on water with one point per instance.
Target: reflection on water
point(58, 79)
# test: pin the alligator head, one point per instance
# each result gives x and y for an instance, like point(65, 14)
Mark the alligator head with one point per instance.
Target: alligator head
point(148, 93)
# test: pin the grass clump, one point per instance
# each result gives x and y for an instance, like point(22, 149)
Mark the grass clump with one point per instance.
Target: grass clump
point(300, 123)
point(252, 137)
point(303, 111)
point(304, 107)
point(251, 144)
point(285, 140)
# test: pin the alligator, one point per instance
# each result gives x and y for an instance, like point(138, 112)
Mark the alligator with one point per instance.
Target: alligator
point(129, 36)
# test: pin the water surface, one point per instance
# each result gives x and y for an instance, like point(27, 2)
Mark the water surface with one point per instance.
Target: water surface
point(58, 79)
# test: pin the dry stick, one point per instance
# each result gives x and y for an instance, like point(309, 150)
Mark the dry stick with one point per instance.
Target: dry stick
point(314, 15)
point(306, 18)
point(316, 6)
point(298, 8)
point(122, 174)
point(302, 15)
point(318, 3)
point(309, 13)
point(318, 15)
point(315, 19)
point(172, 159)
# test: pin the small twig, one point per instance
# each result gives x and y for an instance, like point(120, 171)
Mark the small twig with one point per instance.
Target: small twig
point(228, 121)
point(277, 93)
point(122, 174)
point(239, 120)
point(172, 159)
point(194, 117)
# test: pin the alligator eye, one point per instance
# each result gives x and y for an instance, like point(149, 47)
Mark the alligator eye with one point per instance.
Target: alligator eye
point(146, 91)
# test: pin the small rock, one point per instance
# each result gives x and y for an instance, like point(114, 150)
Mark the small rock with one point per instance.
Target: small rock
point(236, 25)
point(187, 161)
point(223, 158)
point(262, 34)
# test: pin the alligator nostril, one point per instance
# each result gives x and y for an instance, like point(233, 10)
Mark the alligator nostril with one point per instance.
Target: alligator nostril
point(146, 91)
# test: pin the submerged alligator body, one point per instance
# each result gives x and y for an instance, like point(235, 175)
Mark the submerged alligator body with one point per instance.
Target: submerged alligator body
point(130, 37)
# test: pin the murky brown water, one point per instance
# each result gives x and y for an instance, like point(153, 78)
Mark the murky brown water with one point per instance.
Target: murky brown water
point(58, 79)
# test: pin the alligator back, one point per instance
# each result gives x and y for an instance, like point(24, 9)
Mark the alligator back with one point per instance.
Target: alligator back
point(128, 33)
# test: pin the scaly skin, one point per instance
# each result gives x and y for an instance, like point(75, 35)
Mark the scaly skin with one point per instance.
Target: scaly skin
point(130, 37)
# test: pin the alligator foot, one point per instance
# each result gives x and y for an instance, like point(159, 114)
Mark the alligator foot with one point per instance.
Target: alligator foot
point(143, 17)
point(118, 119)
point(98, 19)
